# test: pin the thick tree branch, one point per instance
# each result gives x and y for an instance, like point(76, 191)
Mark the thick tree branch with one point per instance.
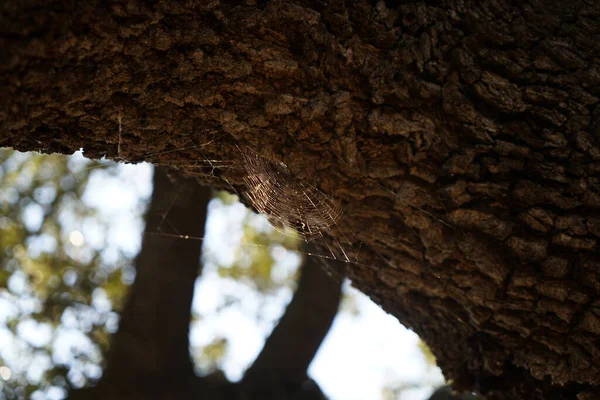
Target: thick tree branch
point(460, 136)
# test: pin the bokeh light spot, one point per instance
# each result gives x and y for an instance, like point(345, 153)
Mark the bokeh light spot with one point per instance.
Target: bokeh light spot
point(76, 239)
point(5, 372)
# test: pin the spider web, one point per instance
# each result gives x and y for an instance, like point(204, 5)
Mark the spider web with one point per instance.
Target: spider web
point(287, 200)
point(273, 190)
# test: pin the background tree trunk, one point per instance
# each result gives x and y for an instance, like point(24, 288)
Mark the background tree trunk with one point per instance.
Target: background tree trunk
point(152, 344)
point(149, 356)
point(293, 343)
point(461, 138)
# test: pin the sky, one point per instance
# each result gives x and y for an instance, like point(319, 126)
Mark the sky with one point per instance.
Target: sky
point(364, 352)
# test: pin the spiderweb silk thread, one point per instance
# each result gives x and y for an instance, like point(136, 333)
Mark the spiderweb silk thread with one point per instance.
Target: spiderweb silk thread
point(287, 200)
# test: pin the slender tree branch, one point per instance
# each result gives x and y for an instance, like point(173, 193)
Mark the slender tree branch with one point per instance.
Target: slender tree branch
point(296, 338)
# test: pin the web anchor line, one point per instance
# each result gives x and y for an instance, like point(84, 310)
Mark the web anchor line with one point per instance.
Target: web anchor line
point(285, 199)
point(273, 190)
point(290, 202)
point(307, 253)
point(327, 215)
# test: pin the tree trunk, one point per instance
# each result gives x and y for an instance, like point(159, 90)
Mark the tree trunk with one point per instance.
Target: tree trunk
point(460, 137)
point(149, 355)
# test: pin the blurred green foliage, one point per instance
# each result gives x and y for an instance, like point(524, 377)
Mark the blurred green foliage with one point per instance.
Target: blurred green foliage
point(254, 261)
point(260, 263)
point(58, 294)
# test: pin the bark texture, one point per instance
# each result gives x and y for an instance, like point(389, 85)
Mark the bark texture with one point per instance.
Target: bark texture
point(462, 138)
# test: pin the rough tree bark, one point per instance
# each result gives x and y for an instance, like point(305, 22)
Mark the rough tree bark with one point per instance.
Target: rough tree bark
point(461, 137)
